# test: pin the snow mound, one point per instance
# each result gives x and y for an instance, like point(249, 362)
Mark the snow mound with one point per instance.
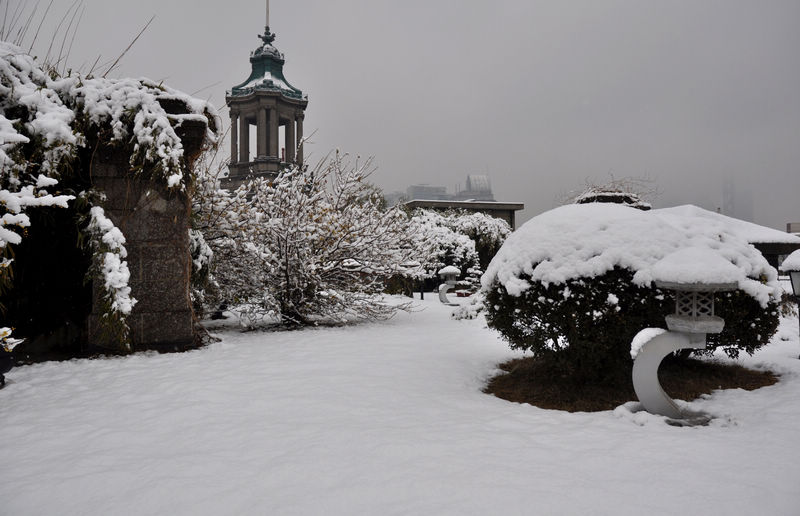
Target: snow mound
point(588, 240)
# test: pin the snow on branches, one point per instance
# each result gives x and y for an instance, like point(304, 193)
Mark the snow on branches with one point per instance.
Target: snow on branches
point(459, 238)
point(111, 268)
point(312, 244)
point(447, 245)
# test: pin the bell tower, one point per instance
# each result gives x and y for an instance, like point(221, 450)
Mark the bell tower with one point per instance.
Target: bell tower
point(267, 105)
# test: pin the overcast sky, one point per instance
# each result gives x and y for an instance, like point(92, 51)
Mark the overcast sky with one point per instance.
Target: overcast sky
point(696, 95)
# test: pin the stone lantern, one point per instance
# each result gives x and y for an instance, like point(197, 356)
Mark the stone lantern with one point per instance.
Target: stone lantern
point(694, 275)
point(449, 276)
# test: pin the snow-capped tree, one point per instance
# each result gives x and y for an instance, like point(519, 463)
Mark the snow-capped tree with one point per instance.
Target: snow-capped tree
point(486, 231)
point(441, 245)
point(463, 239)
point(312, 244)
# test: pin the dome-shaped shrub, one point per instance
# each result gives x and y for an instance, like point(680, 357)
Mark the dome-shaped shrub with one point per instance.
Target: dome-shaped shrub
point(575, 284)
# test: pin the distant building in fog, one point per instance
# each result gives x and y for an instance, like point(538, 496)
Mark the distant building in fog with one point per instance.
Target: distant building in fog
point(430, 192)
point(477, 188)
point(476, 196)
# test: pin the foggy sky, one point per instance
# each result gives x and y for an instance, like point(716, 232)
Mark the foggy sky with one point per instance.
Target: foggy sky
point(696, 95)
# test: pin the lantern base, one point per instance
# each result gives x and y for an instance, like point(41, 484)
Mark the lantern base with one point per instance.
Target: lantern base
point(645, 371)
point(443, 288)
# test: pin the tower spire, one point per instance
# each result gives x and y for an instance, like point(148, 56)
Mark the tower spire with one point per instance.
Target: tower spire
point(267, 13)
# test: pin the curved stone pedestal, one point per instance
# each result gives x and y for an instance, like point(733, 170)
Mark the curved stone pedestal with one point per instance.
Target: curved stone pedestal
point(645, 371)
point(443, 288)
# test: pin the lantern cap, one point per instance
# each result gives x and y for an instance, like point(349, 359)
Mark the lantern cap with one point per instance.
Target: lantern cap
point(450, 269)
point(697, 269)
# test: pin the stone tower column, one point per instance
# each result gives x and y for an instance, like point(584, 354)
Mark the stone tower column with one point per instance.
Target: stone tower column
point(234, 136)
point(300, 117)
point(273, 133)
point(261, 137)
point(244, 139)
point(290, 143)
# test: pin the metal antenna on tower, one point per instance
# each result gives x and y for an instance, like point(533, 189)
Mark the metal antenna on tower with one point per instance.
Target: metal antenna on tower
point(267, 13)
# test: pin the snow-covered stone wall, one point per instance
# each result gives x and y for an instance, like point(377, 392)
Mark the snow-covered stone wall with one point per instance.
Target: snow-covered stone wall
point(155, 222)
point(116, 157)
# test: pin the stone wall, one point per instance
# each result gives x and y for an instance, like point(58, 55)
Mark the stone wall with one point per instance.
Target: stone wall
point(155, 222)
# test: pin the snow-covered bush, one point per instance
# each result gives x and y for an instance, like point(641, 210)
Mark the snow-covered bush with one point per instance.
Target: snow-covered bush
point(441, 245)
point(312, 244)
point(487, 232)
point(575, 285)
point(459, 238)
point(110, 267)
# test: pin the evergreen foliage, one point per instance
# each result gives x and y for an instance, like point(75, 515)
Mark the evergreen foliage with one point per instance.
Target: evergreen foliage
point(584, 327)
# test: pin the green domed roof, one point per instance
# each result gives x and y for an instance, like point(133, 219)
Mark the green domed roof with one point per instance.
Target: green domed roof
point(267, 72)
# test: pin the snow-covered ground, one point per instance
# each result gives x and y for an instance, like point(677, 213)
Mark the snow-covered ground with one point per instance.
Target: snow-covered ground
point(384, 418)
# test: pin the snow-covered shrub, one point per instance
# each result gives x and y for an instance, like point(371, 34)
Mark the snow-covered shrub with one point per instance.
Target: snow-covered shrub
point(459, 238)
point(111, 269)
point(575, 285)
point(471, 308)
point(440, 245)
point(312, 244)
point(487, 232)
point(223, 225)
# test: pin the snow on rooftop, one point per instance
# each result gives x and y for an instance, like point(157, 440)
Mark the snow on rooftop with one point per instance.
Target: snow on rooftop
point(587, 240)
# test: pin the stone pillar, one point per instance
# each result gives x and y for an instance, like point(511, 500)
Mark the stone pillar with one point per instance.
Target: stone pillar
point(155, 222)
point(290, 143)
point(234, 137)
point(244, 139)
point(273, 133)
point(299, 158)
point(261, 137)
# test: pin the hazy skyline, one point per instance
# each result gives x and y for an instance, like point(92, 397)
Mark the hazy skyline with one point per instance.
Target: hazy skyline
point(702, 97)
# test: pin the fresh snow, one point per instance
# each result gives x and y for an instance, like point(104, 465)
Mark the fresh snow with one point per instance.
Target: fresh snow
point(587, 240)
point(379, 418)
point(642, 338)
point(113, 268)
point(696, 265)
